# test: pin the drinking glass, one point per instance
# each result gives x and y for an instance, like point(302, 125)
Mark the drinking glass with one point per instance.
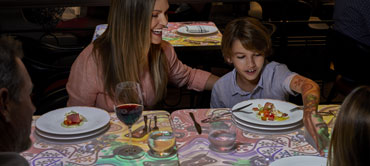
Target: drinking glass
point(129, 107)
point(222, 136)
point(161, 144)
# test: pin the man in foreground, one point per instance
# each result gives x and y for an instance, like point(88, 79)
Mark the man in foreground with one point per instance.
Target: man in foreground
point(16, 108)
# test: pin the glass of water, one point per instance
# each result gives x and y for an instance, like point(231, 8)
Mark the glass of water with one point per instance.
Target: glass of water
point(222, 136)
point(161, 144)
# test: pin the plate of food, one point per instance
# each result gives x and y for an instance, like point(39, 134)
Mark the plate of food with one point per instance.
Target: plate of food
point(269, 112)
point(268, 132)
point(73, 120)
point(197, 29)
point(73, 137)
point(267, 128)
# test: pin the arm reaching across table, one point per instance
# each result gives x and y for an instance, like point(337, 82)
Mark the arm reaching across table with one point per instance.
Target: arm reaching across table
point(313, 122)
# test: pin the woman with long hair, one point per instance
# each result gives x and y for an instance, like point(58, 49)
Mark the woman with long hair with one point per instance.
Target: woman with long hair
point(350, 142)
point(131, 49)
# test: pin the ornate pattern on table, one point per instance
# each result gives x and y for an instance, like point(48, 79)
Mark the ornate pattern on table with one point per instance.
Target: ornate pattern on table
point(170, 34)
point(99, 150)
point(252, 149)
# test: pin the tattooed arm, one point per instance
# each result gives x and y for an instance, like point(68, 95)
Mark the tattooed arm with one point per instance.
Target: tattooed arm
point(313, 122)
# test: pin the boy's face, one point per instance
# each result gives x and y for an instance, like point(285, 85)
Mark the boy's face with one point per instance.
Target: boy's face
point(248, 64)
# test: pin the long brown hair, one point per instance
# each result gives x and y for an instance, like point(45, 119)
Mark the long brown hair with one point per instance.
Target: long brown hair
point(350, 142)
point(125, 49)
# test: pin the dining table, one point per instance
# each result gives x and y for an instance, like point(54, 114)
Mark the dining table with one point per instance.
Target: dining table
point(191, 148)
point(101, 149)
point(177, 39)
point(251, 148)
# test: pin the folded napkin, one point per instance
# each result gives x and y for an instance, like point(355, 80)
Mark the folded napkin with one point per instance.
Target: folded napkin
point(196, 29)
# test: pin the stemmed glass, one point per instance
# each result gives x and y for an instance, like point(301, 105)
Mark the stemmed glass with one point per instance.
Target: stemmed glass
point(129, 107)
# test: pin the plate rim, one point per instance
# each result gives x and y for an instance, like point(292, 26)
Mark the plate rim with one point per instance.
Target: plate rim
point(96, 127)
point(73, 137)
point(267, 132)
point(268, 128)
point(306, 157)
point(282, 123)
point(197, 34)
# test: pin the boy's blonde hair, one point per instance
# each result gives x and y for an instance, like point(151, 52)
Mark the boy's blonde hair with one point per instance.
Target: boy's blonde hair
point(250, 32)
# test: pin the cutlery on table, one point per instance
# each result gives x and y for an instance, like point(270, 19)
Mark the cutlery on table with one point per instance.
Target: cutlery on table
point(155, 124)
point(145, 129)
point(196, 124)
point(206, 120)
point(139, 133)
point(296, 108)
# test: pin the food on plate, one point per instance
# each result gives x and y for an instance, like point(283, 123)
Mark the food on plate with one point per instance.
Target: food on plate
point(73, 119)
point(269, 112)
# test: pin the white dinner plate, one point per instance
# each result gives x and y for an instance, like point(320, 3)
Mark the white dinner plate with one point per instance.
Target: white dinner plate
point(261, 127)
point(206, 30)
point(51, 121)
point(283, 106)
point(72, 137)
point(267, 132)
point(300, 161)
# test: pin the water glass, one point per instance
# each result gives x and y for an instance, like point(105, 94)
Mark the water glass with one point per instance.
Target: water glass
point(161, 144)
point(222, 136)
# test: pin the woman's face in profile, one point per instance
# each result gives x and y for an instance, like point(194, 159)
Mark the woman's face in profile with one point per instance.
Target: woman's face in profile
point(159, 20)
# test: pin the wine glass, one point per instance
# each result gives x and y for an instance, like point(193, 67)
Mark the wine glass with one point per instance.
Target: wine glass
point(129, 107)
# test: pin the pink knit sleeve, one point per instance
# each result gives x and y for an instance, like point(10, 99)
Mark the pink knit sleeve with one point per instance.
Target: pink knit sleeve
point(181, 74)
point(82, 86)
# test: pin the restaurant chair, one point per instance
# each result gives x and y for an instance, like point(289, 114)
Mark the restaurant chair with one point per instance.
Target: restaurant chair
point(52, 100)
point(341, 86)
point(350, 59)
point(48, 65)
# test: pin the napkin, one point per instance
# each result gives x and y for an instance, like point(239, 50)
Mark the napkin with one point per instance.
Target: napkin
point(196, 29)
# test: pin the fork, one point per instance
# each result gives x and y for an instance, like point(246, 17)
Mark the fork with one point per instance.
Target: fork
point(240, 109)
point(155, 124)
point(296, 108)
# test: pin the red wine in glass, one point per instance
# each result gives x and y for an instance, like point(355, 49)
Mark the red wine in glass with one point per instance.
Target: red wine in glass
point(129, 113)
point(128, 105)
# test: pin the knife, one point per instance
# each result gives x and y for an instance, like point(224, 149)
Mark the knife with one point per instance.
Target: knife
point(196, 124)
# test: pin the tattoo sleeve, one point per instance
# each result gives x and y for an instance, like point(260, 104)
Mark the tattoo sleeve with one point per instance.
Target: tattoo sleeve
point(313, 122)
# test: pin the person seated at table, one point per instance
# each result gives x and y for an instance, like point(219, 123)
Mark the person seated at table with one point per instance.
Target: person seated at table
point(131, 49)
point(16, 108)
point(246, 43)
point(350, 141)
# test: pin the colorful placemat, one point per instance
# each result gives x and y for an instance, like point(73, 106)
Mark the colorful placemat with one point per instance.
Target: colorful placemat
point(101, 149)
point(252, 149)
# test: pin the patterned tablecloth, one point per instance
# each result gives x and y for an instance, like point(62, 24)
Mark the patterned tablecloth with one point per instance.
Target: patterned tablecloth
point(180, 40)
point(171, 35)
point(101, 149)
point(252, 149)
